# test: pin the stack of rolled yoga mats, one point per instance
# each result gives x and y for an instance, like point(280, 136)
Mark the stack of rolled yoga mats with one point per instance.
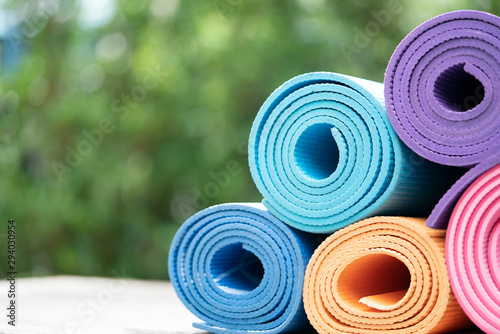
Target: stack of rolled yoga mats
point(343, 164)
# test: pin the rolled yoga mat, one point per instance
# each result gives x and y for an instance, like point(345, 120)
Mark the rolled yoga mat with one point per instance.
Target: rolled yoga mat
point(324, 155)
point(382, 275)
point(241, 270)
point(473, 251)
point(441, 88)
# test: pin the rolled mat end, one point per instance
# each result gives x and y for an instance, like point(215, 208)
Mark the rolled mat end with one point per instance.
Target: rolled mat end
point(382, 275)
point(240, 270)
point(440, 88)
point(473, 251)
point(324, 155)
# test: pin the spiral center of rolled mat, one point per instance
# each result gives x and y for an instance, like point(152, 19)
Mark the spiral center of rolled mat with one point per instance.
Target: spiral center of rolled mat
point(316, 152)
point(457, 90)
point(236, 270)
point(378, 281)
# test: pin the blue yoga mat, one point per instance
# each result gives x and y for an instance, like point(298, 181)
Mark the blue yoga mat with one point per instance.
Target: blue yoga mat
point(323, 155)
point(240, 269)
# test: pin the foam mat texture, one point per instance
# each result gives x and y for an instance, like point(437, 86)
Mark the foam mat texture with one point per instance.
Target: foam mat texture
point(323, 155)
point(441, 88)
point(473, 250)
point(382, 275)
point(241, 270)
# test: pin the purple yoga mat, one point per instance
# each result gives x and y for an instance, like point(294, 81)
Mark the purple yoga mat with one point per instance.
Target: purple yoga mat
point(442, 88)
point(442, 96)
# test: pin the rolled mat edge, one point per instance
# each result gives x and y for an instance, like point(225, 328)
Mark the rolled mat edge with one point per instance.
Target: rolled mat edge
point(473, 251)
point(380, 262)
point(239, 269)
point(441, 214)
point(316, 116)
point(440, 87)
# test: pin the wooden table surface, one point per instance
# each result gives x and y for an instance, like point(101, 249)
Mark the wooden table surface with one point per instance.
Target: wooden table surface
point(84, 305)
point(81, 305)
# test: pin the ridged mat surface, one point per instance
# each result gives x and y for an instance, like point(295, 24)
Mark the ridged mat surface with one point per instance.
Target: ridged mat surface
point(441, 88)
point(473, 251)
point(382, 275)
point(323, 155)
point(241, 270)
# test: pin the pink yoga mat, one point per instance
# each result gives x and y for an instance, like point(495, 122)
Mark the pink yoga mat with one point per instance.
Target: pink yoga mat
point(473, 251)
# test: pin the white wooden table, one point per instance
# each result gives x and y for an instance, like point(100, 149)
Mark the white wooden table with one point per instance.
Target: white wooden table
point(88, 305)
point(81, 305)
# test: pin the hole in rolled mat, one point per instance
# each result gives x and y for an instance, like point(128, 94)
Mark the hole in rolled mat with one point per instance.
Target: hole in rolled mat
point(316, 152)
point(457, 90)
point(374, 282)
point(236, 270)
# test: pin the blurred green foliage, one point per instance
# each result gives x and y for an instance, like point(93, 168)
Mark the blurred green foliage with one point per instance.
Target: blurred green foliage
point(165, 150)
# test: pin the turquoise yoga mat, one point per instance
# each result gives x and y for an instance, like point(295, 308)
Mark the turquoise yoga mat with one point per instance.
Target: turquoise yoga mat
point(323, 155)
point(241, 270)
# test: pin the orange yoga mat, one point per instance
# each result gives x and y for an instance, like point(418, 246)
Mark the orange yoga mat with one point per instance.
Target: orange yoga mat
point(382, 274)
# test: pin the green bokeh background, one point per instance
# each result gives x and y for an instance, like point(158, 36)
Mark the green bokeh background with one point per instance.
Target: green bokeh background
point(216, 61)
